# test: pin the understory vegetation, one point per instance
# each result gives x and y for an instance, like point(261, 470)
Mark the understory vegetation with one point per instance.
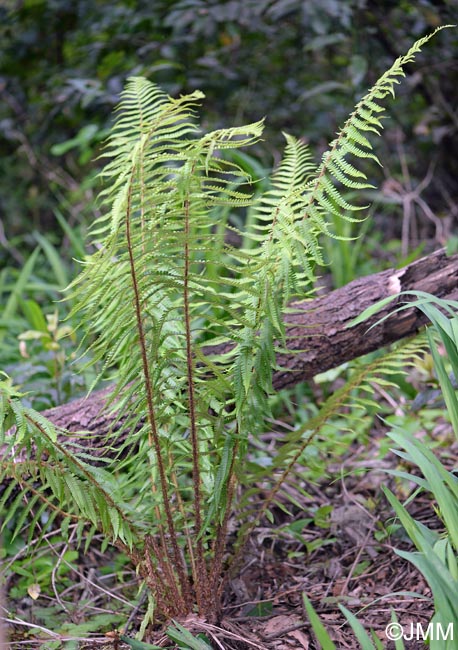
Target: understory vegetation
point(175, 294)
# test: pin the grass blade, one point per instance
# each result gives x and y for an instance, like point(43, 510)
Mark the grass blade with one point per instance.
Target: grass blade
point(318, 628)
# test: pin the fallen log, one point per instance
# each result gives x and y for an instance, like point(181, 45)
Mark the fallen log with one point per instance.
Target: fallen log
point(327, 341)
point(317, 333)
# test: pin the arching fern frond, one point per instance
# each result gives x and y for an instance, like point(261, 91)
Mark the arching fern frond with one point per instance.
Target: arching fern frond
point(324, 193)
point(356, 394)
point(57, 479)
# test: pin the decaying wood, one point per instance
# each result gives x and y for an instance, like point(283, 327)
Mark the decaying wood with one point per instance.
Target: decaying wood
point(321, 326)
point(319, 331)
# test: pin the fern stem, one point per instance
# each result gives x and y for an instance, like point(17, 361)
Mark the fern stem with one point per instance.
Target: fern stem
point(331, 407)
point(221, 533)
point(162, 579)
point(188, 536)
point(41, 496)
point(201, 586)
point(153, 435)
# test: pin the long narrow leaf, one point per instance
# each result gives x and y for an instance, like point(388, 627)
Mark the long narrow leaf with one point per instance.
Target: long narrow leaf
point(318, 628)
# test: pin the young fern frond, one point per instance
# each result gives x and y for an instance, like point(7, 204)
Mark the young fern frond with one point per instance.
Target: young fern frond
point(335, 171)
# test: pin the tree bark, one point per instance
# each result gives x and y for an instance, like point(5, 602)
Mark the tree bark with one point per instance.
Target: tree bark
point(321, 326)
point(317, 333)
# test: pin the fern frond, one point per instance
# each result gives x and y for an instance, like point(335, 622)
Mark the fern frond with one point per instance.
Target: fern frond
point(69, 487)
point(366, 119)
point(164, 182)
point(357, 393)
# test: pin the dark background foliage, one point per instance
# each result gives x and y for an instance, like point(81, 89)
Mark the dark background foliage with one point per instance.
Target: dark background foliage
point(302, 63)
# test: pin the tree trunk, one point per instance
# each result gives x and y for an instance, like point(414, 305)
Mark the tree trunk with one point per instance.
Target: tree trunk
point(319, 331)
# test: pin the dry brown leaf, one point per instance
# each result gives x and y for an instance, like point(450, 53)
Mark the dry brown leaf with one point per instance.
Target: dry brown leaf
point(300, 636)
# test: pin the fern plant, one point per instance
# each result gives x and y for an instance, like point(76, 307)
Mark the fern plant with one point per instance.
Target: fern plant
point(191, 324)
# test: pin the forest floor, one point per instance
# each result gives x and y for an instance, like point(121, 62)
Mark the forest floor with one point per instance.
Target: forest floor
point(351, 560)
point(354, 564)
point(339, 548)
